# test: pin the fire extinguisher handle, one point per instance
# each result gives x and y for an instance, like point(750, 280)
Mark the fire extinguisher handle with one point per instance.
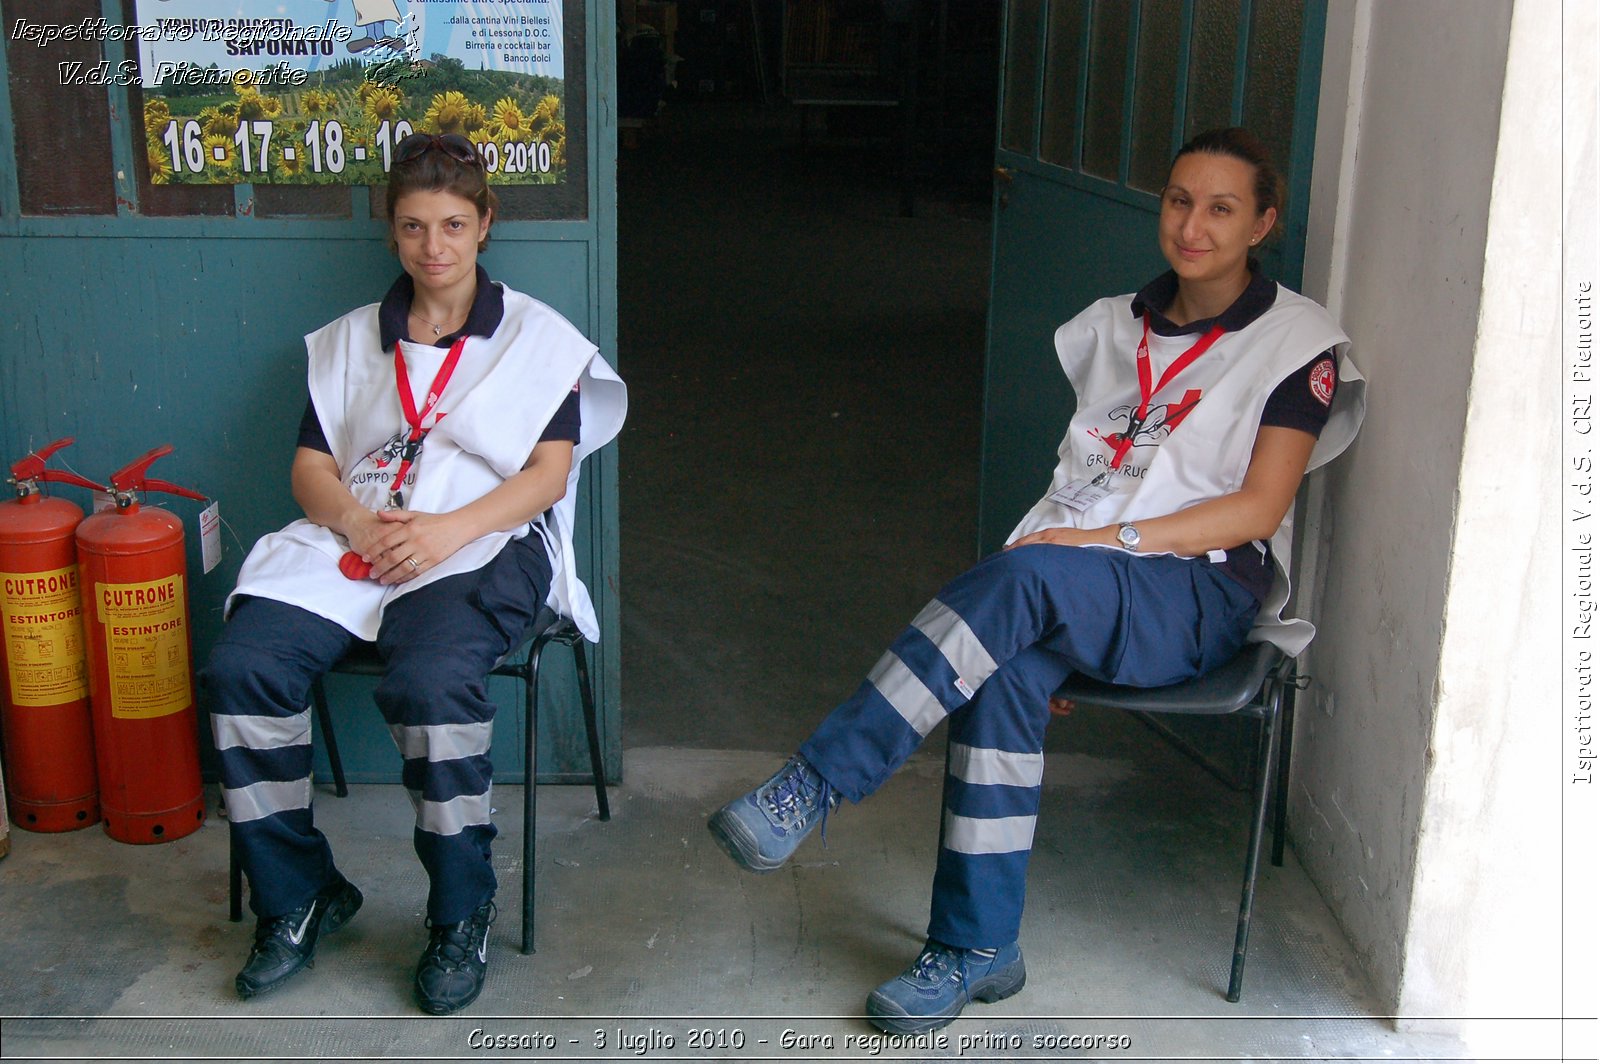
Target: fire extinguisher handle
point(131, 477)
point(31, 466)
point(152, 484)
point(61, 476)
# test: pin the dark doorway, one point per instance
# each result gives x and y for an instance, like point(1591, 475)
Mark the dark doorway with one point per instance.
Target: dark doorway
point(805, 361)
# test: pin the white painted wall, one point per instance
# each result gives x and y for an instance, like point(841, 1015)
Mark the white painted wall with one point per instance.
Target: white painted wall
point(1418, 806)
point(1420, 135)
point(1485, 928)
point(1580, 808)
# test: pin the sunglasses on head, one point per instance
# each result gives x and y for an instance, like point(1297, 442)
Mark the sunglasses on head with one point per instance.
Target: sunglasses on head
point(454, 145)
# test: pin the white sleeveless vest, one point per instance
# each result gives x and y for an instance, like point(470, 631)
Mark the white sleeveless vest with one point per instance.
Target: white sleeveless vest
point(1195, 444)
point(504, 391)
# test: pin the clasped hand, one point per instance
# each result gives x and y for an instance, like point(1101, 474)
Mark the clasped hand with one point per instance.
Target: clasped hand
point(404, 544)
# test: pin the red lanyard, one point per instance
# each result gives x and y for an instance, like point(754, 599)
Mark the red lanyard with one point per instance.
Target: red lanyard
point(1146, 392)
point(414, 418)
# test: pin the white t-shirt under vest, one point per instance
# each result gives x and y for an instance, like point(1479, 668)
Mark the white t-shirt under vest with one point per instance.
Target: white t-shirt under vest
point(494, 409)
point(1196, 441)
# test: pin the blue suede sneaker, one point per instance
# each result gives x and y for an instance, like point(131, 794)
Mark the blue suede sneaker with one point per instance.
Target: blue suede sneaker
point(933, 991)
point(761, 830)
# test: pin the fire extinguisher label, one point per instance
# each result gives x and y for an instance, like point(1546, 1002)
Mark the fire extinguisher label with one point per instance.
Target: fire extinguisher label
point(147, 647)
point(43, 620)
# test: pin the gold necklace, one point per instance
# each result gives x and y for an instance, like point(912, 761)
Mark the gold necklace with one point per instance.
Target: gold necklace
point(437, 327)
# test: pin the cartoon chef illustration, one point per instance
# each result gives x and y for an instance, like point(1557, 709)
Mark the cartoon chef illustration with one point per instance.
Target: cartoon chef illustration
point(375, 15)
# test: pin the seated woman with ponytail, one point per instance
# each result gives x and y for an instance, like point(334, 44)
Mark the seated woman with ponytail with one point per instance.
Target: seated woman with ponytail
point(1160, 548)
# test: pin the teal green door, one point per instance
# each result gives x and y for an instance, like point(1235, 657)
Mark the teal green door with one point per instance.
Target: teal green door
point(140, 312)
point(1096, 96)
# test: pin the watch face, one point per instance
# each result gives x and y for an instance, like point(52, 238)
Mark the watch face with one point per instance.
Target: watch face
point(1128, 536)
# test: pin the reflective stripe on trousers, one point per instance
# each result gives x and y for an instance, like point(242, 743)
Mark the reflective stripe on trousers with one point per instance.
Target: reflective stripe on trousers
point(439, 643)
point(988, 652)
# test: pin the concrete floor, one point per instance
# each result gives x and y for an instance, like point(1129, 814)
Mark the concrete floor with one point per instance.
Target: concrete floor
point(799, 476)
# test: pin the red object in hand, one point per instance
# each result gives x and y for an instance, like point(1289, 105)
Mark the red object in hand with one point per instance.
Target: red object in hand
point(354, 566)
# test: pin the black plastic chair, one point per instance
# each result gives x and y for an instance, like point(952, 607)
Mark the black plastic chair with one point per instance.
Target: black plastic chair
point(1259, 682)
point(523, 664)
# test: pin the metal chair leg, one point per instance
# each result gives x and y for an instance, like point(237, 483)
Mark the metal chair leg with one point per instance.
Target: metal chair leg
point(530, 787)
point(1280, 803)
point(1252, 862)
point(319, 699)
point(235, 882)
point(580, 660)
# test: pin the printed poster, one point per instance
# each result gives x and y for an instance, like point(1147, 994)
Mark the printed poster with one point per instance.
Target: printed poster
point(319, 92)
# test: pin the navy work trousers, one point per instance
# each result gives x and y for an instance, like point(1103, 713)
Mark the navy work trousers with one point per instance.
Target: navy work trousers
point(439, 643)
point(988, 652)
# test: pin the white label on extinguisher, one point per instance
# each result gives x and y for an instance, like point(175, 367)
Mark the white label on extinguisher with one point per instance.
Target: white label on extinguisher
point(43, 628)
point(147, 646)
point(210, 538)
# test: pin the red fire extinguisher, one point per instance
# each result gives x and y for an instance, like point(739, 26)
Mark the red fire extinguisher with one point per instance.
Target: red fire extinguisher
point(141, 686)
point(49, 745)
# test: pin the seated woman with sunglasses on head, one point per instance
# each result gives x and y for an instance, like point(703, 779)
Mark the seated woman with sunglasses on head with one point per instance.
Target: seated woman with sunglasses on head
point(437, 456)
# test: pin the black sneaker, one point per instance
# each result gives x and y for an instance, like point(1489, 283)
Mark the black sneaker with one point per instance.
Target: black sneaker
point(285, 944)
point(450, 973)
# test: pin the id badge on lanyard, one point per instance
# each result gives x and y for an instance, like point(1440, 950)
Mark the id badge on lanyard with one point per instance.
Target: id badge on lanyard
point(415, 417)
point(1082, 492)
point(352, 565)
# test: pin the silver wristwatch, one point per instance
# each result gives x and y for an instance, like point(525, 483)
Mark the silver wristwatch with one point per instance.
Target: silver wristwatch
point(1128, 536)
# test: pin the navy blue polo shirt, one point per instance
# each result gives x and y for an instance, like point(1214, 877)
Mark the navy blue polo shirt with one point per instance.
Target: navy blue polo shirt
point(1302, 400)
point(488, 308)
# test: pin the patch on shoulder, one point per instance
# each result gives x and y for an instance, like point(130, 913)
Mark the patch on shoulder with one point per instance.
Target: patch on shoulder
point(1323, 381)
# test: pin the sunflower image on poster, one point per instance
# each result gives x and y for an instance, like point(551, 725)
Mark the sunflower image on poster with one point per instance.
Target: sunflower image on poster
point(319, 92)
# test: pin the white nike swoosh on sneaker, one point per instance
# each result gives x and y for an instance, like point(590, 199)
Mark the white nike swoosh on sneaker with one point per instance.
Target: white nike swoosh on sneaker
point(298, 934)
point(483, 950)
